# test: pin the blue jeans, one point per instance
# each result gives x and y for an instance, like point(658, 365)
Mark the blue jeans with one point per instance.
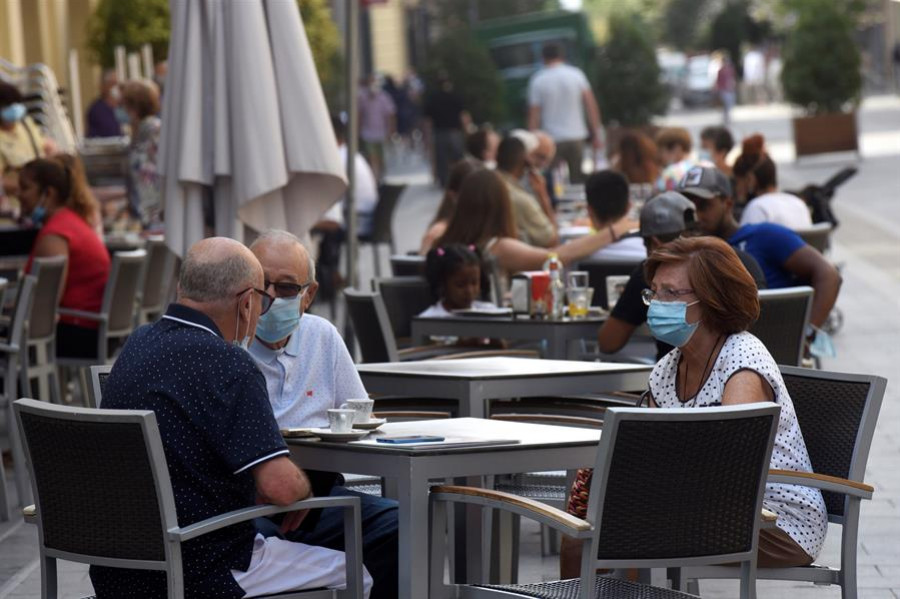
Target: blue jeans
point(379, 537)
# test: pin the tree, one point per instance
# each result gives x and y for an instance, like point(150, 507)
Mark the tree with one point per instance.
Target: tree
point(629, 88)
point(734, 26)
point(475, 78)
point(821, 60)
point(128, 23)
point(680, 22)
point(133, 23)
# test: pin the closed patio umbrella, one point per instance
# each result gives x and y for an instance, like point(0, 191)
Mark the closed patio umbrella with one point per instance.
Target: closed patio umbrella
point(245, 123)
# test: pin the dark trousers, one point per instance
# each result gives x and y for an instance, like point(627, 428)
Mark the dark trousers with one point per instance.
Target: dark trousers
point(448, 148)
point(379, 537)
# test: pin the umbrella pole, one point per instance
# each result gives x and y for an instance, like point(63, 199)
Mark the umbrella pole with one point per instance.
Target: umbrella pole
point(352, 34)
point(352, 61)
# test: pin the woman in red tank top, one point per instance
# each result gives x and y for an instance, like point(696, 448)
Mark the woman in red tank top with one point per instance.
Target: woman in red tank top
point(54, 196)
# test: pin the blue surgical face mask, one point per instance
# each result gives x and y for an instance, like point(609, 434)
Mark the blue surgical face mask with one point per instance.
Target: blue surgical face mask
point(281, 320)
point(122, 116)
point(668, 322)
point(704, 156)
point(13, 113)
point(39, 213)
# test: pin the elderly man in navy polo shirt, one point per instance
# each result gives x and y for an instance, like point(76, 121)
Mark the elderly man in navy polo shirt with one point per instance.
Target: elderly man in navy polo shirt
point(221, 441)
point(309, 370)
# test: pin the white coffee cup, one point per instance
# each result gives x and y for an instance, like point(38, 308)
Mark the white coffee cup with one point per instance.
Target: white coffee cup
point(341, 420)
point(362, 407)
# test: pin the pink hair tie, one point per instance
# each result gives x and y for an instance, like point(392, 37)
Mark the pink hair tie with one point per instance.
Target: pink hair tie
point(440, 251)
point(471, 247)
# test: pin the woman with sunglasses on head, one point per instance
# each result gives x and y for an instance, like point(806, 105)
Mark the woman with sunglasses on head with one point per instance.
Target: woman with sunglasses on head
point(702, 300)
point(56, 198)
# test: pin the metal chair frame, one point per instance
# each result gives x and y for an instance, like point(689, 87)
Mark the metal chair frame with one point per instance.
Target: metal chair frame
point(817, 236)
point(156, 280)
point(797, 336)
point(120, 261)
point(171, 534)
point(852, 488)
point(590, 530)
point(10, 351)
point(44, 367)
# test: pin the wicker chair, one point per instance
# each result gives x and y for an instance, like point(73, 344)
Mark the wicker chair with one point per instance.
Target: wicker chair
point(407, 266)
point(837, 414)
point(40, 337)
point(10, 350)
point(116, 316)
point(158, 273)
point(404, 298)
point(383, 220)
point(781, 326)
point(69, 455)
point(95, 383)
point(677, 509)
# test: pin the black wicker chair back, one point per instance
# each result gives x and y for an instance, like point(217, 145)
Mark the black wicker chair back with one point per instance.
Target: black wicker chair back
point(598, 270)
point(404, 297)
point(781, 326)
point(408, 266)
point(831, 416)
point(46, 296)
point(388, 196)
point(367, 313)
point(92, 481)
point(687, 483)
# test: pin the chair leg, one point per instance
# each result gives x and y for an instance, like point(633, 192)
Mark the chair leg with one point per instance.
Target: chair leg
point(48, 578)
point(748, 579)
point(376, 260)
point(849, 538)
point(4, 498)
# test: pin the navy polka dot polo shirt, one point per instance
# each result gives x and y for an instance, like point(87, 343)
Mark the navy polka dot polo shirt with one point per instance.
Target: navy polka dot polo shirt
point(216, 423)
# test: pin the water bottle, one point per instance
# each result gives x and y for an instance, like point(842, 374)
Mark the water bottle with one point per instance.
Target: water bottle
point(557, 289)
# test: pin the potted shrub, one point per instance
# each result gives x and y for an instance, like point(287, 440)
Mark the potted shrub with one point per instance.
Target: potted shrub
point(822, 76)
point(629, 87)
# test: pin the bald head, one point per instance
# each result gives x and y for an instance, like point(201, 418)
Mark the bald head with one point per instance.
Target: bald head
point(216, 269)
point(285, 247)
point(543, 154)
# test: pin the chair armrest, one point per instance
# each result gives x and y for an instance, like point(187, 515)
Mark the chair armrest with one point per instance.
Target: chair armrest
point(6, 348)
point(203, 527)
point(535, 510)
point(99, 317)
point(767, 519)
point(29, 513)
point(822, 482)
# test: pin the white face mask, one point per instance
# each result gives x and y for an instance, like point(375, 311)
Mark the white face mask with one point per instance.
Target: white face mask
point(244, 342)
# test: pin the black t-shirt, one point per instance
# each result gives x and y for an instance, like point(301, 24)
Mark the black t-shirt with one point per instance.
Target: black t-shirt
point(444, 109)
point(216, 424)
point(630, 306)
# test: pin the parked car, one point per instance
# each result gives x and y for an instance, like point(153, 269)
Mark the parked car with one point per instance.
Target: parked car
point(699, 87)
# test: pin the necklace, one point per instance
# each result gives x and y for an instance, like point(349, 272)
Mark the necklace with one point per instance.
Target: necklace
point(703, 375)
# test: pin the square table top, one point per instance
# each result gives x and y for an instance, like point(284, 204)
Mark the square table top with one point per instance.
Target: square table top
point(498, 367)
point(523, 435)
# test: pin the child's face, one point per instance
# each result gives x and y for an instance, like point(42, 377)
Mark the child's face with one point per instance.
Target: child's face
point(462, 287)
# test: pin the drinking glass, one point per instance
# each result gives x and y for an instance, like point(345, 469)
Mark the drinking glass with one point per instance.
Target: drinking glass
point(577, 279)
point(579, 301)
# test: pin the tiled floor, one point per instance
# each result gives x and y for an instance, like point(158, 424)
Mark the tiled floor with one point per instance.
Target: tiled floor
point(868, 246)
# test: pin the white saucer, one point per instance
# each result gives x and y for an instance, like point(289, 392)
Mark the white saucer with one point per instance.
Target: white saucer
point(327, 435)
point(371, 424)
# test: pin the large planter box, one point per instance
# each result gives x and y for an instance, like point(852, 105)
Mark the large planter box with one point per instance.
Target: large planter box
point(826, 133)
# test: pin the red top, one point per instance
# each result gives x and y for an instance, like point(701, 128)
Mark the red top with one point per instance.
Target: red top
point(89, 264)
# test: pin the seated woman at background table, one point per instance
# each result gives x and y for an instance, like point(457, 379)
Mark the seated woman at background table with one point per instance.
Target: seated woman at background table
point(458, 174)
point(702, 301)
point(484, 218)
point(56, 199)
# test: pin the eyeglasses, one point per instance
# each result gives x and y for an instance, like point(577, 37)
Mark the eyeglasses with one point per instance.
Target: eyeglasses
point(663, 295)
point(287, 290)
point(265, 298)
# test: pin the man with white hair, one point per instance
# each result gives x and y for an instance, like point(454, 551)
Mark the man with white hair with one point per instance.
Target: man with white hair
point(222, 444)
point(308, 370)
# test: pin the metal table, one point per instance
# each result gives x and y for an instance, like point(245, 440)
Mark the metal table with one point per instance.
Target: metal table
point(407, 472)
point(557, 333)
point(474, 381)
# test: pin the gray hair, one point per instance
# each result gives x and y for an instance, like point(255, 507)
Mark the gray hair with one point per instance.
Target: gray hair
point(208, 280)
point(276, 236)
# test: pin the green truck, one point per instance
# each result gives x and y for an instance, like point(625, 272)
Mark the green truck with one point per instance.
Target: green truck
point(515, 45)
